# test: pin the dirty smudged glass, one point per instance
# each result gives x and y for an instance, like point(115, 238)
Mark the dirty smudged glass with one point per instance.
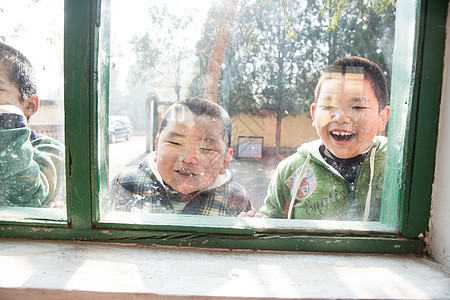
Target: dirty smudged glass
point(161, 52)
point(32, 184)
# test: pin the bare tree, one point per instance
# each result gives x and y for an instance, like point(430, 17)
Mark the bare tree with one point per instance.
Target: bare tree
point(222, 33)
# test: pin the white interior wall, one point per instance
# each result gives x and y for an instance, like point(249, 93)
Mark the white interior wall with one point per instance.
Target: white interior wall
point(439, 237)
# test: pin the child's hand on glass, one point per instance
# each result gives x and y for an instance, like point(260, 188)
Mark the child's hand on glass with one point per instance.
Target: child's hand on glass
point(251, 214)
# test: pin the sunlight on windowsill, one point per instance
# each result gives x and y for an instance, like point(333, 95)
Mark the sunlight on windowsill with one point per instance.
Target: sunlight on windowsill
point(56, 267)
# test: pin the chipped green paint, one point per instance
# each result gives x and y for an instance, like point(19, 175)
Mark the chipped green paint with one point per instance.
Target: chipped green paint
point(274, 242)
point(425, 111)
point(102, 155)
point(401, 91)
point(79, 91)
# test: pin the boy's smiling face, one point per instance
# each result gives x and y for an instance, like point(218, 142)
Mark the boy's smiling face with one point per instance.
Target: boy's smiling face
point(191, 152)
point(346, 115)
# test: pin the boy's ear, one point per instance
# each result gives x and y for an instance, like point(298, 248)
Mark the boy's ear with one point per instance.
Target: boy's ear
point(226, 161)
point(156, 147)
point(313, 112)
point(31, 106)
point(384, 118)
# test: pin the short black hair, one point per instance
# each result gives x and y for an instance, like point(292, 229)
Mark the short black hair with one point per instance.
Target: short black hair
point(20, 70)
point(200, 107)
point(359, 65)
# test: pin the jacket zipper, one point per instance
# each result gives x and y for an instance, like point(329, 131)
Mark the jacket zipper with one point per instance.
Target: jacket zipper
point(352, 195)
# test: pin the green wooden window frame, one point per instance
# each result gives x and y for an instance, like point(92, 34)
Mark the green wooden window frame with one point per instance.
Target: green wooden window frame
point(409, 176)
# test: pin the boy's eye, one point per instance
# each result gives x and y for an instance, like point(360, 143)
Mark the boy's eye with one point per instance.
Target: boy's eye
point(328, 107)
point(206, 149)
point(360, 107)
point(174, 143)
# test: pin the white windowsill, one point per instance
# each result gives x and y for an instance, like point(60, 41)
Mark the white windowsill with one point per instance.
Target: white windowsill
point(54, 270)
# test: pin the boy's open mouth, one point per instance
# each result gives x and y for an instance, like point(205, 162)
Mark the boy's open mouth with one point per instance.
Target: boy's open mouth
point(185, 173)
point(342, 136)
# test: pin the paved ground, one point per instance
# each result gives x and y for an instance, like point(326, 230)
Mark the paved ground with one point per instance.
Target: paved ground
point(255, 174)
point(125, 153)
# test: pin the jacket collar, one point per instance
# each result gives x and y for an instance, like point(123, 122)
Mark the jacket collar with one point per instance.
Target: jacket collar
point(313, 148)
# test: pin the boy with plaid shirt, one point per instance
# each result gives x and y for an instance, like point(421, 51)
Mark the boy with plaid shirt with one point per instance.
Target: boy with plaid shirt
point(187, 174)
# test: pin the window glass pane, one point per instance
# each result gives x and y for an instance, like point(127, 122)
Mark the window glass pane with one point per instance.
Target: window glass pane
point(31, 128)
point(261, 62)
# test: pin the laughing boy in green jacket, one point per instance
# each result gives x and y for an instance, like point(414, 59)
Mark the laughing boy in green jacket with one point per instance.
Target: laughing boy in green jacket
point(31, 165)
point(340, 176)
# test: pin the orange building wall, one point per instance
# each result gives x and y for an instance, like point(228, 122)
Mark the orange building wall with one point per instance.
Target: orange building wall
point(294, 130)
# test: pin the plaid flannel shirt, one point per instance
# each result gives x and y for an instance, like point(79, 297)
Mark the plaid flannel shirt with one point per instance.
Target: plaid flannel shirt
point(139, 189)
